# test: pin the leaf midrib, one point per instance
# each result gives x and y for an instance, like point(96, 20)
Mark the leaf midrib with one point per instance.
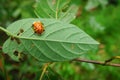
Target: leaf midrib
point(85, 43)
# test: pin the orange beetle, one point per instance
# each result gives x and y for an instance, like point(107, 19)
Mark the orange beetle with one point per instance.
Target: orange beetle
point(38, 27)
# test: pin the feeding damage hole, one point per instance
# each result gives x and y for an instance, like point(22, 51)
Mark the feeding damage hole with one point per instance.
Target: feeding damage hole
point(21, 56)
point(20, 31)
point(16, 53)
point(16, 39)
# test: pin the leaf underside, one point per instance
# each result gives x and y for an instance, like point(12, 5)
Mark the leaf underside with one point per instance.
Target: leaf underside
point(59, 42)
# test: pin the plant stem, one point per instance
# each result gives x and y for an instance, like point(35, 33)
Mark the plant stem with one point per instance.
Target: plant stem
point(7, 32)
point(105, 63)
point(56, 14)
point(0, 47)
point(97, 62)
point(3, 68)
point(44, 69)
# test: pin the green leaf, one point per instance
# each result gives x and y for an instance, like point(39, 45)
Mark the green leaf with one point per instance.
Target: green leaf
point(57, 9)
point(91, 4)
point(59, 42)
point(10, 47)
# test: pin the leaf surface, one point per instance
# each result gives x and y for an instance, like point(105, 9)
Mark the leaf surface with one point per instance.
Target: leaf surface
point(60, 41)
point(56, 9)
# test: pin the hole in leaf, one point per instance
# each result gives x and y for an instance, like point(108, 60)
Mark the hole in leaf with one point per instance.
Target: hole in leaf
point(21, 31)
point(16, 53)
point(22, 57)
point(12, 38)
point(17, 40)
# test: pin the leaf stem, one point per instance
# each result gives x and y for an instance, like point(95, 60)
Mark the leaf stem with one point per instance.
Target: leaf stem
point(56, 14)
point(6, 31)
point(44, 69)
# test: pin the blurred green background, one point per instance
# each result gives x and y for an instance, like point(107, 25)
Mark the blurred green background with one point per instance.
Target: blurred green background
point(99, 18)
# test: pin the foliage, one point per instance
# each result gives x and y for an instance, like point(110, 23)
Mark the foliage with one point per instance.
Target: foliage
point(47, 47)
point(10, 10)
point(58, 9)
point(100, 20)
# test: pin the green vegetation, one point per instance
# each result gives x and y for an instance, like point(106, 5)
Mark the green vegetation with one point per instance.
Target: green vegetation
point(98, 18)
